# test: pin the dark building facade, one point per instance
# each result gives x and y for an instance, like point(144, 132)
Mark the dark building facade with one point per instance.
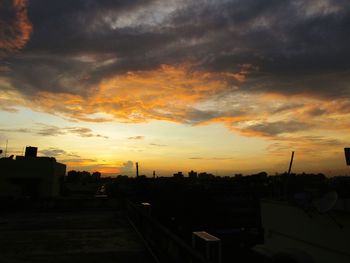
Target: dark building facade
point(31, 176)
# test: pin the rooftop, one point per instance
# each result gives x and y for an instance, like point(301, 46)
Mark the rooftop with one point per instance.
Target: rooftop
point(69, 237)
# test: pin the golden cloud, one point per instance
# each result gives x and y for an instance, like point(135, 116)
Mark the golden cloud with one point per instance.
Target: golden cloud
point(166, 93)
point(181, 94)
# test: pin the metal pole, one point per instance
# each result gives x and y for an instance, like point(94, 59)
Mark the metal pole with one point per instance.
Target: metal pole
point(291, 163)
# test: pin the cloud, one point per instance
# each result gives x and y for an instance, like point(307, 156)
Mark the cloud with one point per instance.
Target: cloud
point(263, 68)
point(211, 158)
point(127, 167)
point(89, 164)
point(275, 128)
point(139, 137)
point(80, 161)
point(158, 145)
point(15, 27)
point(306, 146)
point(287, 45)
point(52, 130)
point(56, 152)
point(20, 130)
point(83, 132)
point(162, 94)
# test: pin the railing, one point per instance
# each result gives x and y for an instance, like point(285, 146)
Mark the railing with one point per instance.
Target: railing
point(165, 245)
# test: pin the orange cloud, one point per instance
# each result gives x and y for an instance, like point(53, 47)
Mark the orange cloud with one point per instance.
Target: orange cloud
point(166, 93)
point(15, 32)
point(180, 94)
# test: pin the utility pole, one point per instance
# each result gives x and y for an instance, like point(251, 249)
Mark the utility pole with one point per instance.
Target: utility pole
point(291, 163)
point(286, 180)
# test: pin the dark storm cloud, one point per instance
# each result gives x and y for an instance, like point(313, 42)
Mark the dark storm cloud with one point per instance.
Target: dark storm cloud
point(15, 29)
point(296, 47)
point(52, 73)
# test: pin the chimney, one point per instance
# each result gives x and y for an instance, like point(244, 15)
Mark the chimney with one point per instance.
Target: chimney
point(137, 169)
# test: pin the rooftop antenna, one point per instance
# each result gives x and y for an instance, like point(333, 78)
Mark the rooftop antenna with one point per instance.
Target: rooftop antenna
point(7, 141)
point(291, 163)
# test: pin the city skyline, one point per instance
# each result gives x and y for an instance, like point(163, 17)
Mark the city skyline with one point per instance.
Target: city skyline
point(219, 86)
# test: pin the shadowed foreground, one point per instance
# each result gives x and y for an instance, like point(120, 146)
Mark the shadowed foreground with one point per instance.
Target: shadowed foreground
point(69, 237)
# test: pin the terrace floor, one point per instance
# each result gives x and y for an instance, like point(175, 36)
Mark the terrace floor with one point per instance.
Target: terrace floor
point(69, 237)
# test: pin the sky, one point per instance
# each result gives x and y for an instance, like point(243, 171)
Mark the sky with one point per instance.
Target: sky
point(219, 86)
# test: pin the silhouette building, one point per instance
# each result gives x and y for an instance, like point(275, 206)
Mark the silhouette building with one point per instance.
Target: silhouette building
point(31, 176)
point(178, 175)
point(192, 174)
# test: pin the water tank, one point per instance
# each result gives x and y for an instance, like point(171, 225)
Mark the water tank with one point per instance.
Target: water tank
point(31, 151)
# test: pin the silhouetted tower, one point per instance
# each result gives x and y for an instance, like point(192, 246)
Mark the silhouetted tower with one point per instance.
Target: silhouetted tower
point(137, 169)
point(31, 151)
point(154, 174)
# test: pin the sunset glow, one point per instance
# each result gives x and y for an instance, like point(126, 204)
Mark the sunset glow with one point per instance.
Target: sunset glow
point(176, 87)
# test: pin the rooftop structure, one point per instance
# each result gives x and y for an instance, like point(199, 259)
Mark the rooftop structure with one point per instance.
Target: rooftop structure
point(31, 176)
